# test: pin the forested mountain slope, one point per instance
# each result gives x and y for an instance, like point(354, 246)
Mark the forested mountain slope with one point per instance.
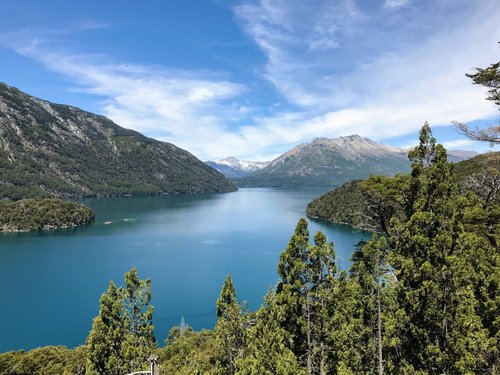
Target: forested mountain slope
point(370, 203)
point(54, 150)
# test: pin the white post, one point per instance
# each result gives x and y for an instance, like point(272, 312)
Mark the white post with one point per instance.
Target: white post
point(153, 359)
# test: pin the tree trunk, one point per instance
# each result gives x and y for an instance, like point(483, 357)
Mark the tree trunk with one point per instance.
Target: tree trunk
point(379, 334)
point(309, 341)
point(322, 369)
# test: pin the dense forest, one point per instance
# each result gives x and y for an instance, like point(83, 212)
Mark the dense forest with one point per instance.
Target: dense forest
point(36, 214)
point(369, 204)
point(423, 299)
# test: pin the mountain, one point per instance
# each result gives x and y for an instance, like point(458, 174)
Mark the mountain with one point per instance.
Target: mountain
point(55, 150)
point(235, 168)
point(329, 162)
point(456, 156)
point(358, 202)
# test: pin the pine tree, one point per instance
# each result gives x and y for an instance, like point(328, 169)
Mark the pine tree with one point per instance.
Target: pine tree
point(230, 330)
point(441, 332)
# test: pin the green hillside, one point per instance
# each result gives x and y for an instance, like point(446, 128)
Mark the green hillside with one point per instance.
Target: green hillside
point(54, 150)
point(370, 203)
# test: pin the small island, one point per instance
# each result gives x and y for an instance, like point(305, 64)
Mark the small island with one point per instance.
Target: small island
point(38, 214)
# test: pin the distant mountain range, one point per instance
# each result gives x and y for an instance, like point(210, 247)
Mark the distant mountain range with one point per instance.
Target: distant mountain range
point(54, 150)
point(331, 162)
point(234, 168)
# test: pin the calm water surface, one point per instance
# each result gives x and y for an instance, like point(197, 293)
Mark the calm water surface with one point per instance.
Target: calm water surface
point(51, 281)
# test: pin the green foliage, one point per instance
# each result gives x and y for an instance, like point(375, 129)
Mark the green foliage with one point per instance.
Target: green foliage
point(36, 214)
point(344, 205)
point(138, 315)
point(441, 330)
point(304, 297)
point(267, 353)
point(370, 204)
point(490, 78)
point(188, 353)
point(121, 338)
point(49, 360)
point(230, 330)
point(105, 340)
point(367, 204)
point(372, 286)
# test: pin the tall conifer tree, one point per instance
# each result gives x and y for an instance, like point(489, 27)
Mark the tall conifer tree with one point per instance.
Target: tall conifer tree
point(369, 274)
point(441, 332)
point(230, 330)
point(304, 297)
point(105, 340)
point(138, 313)
point(267, 352)
point(121, 338)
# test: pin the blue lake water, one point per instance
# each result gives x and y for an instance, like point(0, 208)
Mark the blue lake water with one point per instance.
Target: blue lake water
point(51, 281)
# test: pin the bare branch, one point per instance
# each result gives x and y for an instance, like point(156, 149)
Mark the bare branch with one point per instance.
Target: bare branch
point(491, 134)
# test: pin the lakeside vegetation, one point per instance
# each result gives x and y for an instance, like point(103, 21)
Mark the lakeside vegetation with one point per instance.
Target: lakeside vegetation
point(421, 300)
point(370, 204)
point(37, 214)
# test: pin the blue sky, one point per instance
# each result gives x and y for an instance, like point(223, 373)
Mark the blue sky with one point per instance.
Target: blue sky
point(252, 79)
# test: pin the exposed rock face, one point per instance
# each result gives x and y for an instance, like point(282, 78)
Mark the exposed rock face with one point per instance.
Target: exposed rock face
point(331, 162)
point(54, 150)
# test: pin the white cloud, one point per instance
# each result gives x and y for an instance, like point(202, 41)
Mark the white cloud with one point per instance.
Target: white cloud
point(341, 69)
point(380, 76)
point(395, 3)
point(186, 108)
point(457, 143)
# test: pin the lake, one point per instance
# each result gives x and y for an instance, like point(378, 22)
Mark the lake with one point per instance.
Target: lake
point(51, 281)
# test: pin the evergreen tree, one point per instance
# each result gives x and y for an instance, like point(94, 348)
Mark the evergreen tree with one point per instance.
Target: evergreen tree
point(304, 297)
point(320, 277)
point(138, 314)
point(105, 340)
point(267, 352)
point(291, 289)
point(121, 338)
point(230, 330)
point(488, 77)
point(369, 274)
point(345, 327)
point(440, 330)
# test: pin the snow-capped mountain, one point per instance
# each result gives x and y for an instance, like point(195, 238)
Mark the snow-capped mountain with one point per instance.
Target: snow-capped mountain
point(234, 168)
